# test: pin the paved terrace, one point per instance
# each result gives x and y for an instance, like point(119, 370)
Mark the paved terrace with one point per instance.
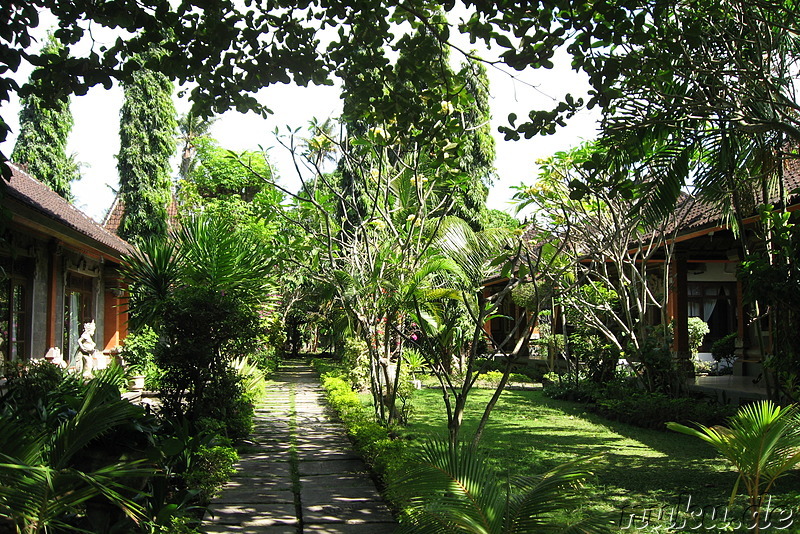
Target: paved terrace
point(301, 475)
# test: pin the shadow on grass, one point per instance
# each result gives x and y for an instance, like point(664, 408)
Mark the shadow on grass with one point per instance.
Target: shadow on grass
point(529, 433)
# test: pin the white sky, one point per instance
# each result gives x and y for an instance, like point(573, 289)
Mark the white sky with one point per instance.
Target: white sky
point(95, 138)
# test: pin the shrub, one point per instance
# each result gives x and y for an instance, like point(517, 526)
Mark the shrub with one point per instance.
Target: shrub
point(724, 349)
point(225, 400)
point(252, 379)
point(211, 467)
point(356, 361)
point(372, 440)
point(37, 391)
point(580, 391)
point(654, 410)
point(702, 366)
point(266, 358)
point(139, 348)
point(520, 378)
point(275, 330)
point(621, 401)
point(697, 331)
point(598, 356)
point(491, 378)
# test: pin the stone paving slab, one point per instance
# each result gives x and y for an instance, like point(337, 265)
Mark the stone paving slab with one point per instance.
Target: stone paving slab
point(326, 489)
point(316, 453)
point(355, 512)
point(350, 528)
point(253, 515)
point(334, 493)
point(260, 467)
point(261, 529)
point(332, 467)
point(255, 490)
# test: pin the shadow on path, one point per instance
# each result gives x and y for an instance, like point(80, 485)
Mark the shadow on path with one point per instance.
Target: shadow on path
point(301, 475)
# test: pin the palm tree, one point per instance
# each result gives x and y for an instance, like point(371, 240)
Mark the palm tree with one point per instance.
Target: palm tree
point(190, 128)
point(321, 147)
point(762, 442)
point(451, 489)
point(200, 290)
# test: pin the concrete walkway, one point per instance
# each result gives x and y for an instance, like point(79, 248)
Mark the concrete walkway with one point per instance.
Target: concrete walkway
point(301, 475)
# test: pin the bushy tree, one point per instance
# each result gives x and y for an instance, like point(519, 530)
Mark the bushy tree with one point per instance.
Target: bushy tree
point(147, 142)
point(201, 289)
point(618, 288)
point(45, 125)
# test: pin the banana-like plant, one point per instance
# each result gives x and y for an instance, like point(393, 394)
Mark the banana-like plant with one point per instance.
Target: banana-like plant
point(761, 441)
point(44, 476)
point(452, 489)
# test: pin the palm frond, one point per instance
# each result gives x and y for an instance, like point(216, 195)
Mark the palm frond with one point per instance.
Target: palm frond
point(452, 489)
point(761, 441)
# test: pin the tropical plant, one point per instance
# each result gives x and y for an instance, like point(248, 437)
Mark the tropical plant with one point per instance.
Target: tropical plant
point(252, 378)
point(48, 473)
point(452, 489)
point(138, 349)
point(724, 349)
point(761, 441)
point(617, 287)
point(191, 128)
point(698, 329)
point(770, 278)
point(201, 290)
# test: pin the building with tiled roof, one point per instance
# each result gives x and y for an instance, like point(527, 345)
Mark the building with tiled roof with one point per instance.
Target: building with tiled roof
point(60, 269)
point(705, 257)
point(698, 256)
point(113, 218)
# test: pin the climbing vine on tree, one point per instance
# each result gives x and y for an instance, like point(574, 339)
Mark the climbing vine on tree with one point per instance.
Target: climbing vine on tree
point(45, 125)
point(147, 142)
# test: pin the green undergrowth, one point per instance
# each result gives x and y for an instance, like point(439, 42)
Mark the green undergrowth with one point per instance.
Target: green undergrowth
point(639, 469)
point(629, 404)
point(641, 473)
point(372, 441)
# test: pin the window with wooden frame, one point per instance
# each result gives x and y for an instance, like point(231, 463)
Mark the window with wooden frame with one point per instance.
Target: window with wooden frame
point(78, 309)
point(15, 309)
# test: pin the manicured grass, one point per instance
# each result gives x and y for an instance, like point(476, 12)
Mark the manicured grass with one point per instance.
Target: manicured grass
point(639, 468)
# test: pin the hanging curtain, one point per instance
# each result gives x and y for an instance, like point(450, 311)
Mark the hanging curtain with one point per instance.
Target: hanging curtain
point(708, 307)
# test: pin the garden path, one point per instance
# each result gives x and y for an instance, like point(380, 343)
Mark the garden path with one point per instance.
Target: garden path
point(301, 475)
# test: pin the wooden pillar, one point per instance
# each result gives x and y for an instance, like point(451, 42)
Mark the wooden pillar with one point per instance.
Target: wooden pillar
point(115, 318)
point(52, 296)
point(680, 302)
point(487, 326)
point(741, 329)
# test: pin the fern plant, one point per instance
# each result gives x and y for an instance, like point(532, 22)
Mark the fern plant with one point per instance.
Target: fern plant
point(452, 489)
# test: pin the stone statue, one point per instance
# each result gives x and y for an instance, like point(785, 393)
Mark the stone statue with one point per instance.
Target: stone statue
point(85, 343)
point(86, 346)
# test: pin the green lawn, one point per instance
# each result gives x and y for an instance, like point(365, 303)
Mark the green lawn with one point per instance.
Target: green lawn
point(640, 468)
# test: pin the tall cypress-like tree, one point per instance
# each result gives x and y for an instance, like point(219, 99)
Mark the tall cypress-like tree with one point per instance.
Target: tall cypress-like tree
point(477, 159)
point(415, 97)
point(44, 127)
point(147, 142)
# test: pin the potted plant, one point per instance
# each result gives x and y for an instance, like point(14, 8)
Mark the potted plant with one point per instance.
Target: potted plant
point(137, 353)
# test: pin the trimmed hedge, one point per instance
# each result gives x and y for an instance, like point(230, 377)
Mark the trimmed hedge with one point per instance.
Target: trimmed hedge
point(641, 408)
point(372, 441)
